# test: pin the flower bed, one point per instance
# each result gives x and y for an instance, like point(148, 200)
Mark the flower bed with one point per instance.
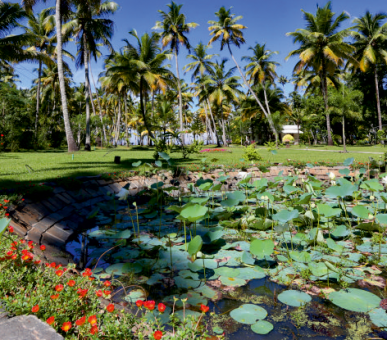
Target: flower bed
point(213, 150)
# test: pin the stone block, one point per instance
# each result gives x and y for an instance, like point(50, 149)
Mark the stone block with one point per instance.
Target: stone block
point(25, 217)
point(35, 234)
point(58, 190)
point(49, 205)
point(38, 210)
point(115, 187)
point(63, 199)
point(19, 229)
point(59, 233)
point(27, 328)
point(56, 202)
point(68, 197)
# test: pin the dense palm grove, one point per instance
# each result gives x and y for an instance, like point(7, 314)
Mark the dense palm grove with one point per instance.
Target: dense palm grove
point(339, 80)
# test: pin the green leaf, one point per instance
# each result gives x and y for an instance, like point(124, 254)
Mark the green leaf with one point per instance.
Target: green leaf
point(194, 212)
point(285, 216)
point(195, 245)
point(348, 161)
point(300, 256)
point(248, 314)
point(164, 156)
point(327, 211)
point(360, 211)
point(294, 298)
point(262, 248)
point(355, 300)
point(4, 223)
point(345, 171)
point(262, 327)
point(136, 164)
point(158, 164)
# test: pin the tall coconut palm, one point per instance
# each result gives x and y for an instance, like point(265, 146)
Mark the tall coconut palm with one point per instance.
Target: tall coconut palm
point(174, 30)
point(62, 11)
point(370, 44)
point(201, 63)
point(283, 80)
point(229, 32)
point(322, 48)
point(89, 28)
point(223, 86)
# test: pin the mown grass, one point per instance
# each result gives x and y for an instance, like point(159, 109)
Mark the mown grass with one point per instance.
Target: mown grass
point(45, 166)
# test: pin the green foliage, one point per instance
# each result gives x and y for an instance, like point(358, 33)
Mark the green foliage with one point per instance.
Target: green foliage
point(287, 139)
point(251, 154)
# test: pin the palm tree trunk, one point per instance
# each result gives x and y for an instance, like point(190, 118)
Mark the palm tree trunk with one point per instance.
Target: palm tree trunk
point(213, 122)
point(271, 123)
point(325, 96)
point(71, 145)
point(87, 95)
point(146, 123)
point(224, 131)
point(267, 114)
point(378, 98)
point(180, 97)
point(118, 126)
point(38, 99)
point(126, 119)
point(344, 144)
point(208, 124)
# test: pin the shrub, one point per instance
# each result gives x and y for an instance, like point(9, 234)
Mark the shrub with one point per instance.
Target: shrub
point(251, 154)
point(287, 139)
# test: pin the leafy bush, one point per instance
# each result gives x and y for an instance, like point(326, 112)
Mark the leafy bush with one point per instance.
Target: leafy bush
point(251, 154)
point(287, 139)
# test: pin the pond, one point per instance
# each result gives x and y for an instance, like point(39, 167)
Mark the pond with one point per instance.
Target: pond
point(292, 258)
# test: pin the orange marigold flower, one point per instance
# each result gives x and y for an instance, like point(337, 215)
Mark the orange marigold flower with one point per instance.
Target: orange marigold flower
point(204, 308)
point(81, 321)
point(59, 288)
point(94, 330)
point(158, 335)
point(66, 326)
point(51, 320)
point(110, 308)
point(161, 307)
point(71, 283)
point(92, 320)
point(35, 309)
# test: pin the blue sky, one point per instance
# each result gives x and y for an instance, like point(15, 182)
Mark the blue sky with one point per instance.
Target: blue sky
point(267, 22)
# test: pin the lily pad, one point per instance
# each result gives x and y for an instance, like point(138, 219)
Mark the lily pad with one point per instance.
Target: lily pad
point(262, 327)
point(294, 298)
point(378, 317)
point(355, 300)
point(262, 248)
point(248, 314)
point(232, 281)
point(123, 268)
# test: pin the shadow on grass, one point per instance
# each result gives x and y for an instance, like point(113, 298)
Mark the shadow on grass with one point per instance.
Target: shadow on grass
point(80, 169)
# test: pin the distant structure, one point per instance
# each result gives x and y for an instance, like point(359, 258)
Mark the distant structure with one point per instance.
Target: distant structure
point(291, 130)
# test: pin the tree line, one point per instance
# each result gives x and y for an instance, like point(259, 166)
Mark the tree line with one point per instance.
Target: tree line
point(339, 79)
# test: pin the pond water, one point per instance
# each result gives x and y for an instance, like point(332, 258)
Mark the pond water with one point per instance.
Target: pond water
point(304, 256)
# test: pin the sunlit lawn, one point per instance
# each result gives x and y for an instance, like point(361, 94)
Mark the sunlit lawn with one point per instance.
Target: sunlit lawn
point(43, 166)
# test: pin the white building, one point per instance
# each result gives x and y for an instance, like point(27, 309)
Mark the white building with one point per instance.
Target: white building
point(291, 130)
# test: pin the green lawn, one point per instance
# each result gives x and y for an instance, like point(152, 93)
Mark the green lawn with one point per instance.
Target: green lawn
point(43, 166)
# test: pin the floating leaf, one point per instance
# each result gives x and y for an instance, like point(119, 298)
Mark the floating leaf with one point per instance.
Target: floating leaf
point(194, 212)
point(227, 271)
point(355, 300)
point(248, 314)
point(251, 273)
point(294, 298)
point(285, 216)
point(232, 281)
point(135, 294)
point(378, 317)
point(4, 223)
point(262, 327)
point(123, 268)
point(300, 256)
point(360, 211)
point(262, 248)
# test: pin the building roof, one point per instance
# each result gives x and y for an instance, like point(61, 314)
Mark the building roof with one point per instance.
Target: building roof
point(290, 129)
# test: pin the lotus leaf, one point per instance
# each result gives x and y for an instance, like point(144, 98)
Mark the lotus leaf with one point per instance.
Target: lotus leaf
point(318, 268)
point(348, 161)
point(328, 211)
point(181, 315)
point(227, 271)
point(123, 268)
point(347, 189)
point(378, 317)
point(136, 164)
point(248, 314)
point(355, 300)
point(247, 258)
point(195, 245)
point(164, 156)
point(340, 231)
point(163, 317)
point(194, 212)
point(300, 256)
point(251, 273)
point(187, 283)
point(345, 171)
point(262, 327)
point(294, 298)
point(209, 292)
point(285, 216)
point(262, 248)
point(232, 281)
point(360, 211)
point(135, 294)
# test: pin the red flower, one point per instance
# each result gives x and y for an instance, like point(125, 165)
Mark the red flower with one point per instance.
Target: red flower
point(43, 247)
point(37, 262)
point(35, 309)
point(87, 272)
point(71, 283)
point(59, 273)
point(99, 293)
point(82, 292)
point(66, 326)
point(158, 335)
point(107, 292)
point(81, 321)
point(107, 284)
point(6, 201)
point(94, 330)
point(51, 320)
point(110, 308)
point(59, 288)
point(150, 305)
point(92, 320)
point(54, 297)
point(139, 303)
point(10, 228)
point(53, 265)
point(204, 308)
point(161, 307)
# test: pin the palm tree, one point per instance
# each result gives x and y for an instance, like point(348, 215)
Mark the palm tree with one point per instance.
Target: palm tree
point(370, 44)
point(283, 80)
point(222, 86)
point(174, 29)
point(42, 28)
point(62, 10)
point(230, 33)
point(322, 48)
point(201, 63)
point(89, 28)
